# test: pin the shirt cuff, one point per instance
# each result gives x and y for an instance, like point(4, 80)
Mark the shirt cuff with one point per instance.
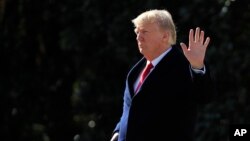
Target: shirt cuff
point(199, 71)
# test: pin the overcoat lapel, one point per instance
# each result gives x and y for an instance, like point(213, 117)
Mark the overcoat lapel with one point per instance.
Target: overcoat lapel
point(162, 67)
point(134, 73)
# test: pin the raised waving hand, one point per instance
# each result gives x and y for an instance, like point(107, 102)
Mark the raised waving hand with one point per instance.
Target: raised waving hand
point(196, 50)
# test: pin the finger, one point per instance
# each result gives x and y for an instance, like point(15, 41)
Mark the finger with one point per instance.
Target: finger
point(184, 47)
point(191, 36)
point(115, 137)
point(202, 37)
point(197, 35)
point(207, 42)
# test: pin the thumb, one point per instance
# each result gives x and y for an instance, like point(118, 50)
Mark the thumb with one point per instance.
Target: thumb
point(184, 47)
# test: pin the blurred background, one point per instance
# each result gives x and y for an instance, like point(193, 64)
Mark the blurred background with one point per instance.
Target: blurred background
point(64, 62)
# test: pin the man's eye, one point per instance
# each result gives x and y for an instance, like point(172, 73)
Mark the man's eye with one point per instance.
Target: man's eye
point(141, 32)
point(144, 32)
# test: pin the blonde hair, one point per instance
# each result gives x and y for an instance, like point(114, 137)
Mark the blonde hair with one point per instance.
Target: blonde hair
point(162, 17)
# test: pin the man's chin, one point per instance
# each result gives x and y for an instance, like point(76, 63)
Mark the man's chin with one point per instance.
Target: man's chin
point(141, 50)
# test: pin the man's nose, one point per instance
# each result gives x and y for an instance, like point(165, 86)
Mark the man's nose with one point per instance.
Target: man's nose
point(139, 37)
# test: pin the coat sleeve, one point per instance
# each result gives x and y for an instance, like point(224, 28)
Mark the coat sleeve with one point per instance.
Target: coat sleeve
point(126, 106)
point(204, 86)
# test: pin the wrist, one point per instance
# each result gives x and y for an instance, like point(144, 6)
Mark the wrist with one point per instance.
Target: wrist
point(198, 67)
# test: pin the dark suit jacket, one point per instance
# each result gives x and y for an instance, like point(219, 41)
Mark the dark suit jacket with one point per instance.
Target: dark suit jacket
point(165, 108)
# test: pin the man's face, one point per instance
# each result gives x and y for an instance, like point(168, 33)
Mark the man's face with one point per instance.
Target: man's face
point(149, 38)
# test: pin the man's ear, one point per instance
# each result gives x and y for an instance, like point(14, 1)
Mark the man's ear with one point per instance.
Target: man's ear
point(166, 36)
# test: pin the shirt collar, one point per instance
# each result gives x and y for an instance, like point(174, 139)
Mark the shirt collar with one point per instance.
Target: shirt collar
point(158, 59)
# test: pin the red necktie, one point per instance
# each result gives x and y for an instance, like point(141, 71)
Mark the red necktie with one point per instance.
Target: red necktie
point(144, 74)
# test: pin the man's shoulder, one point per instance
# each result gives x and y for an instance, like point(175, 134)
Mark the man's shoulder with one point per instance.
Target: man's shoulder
point(177, 54)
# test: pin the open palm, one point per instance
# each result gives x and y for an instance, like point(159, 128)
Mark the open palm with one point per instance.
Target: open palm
point(196, 50)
